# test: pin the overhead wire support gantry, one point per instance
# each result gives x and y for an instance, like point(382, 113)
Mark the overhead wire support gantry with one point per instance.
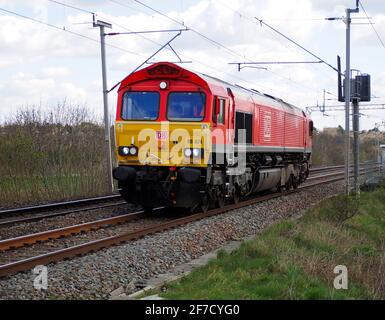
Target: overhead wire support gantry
point(147, 31)
point(263, 23)
point(167, 44)
point(242, 65)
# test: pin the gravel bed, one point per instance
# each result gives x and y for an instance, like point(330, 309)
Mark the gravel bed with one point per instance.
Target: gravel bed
point(95, 275)
point(70, 219)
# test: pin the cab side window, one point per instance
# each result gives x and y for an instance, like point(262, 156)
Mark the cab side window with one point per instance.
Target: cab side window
point(221, 111)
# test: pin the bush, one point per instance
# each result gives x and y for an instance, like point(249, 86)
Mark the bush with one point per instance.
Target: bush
point(49, 156)
point(329, 147)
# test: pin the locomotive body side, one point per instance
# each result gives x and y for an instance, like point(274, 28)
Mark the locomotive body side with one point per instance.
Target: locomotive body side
point(186, 139)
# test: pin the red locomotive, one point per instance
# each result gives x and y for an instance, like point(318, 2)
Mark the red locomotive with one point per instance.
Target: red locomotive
point(186, 139)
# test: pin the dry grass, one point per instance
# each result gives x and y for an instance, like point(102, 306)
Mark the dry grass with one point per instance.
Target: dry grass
point(49, 156)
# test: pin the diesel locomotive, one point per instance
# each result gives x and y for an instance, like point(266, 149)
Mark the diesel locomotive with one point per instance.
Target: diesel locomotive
point(186, 139)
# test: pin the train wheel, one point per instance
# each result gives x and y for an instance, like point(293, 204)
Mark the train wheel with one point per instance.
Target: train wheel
point(205, 205)
point(236, 196)
point(125, 192)
point(289, 183)
point(295, 183)
point(221, 199)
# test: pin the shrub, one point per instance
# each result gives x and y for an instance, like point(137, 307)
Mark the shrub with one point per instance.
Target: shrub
point(52, 155)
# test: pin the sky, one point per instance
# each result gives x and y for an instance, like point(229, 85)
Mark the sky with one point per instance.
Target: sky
point(42, 64)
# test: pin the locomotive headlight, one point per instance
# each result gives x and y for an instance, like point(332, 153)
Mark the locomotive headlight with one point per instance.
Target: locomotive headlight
point(196, 152)
point(133, 151)
point(125, 151)
point(128, 151)
point(187, 153)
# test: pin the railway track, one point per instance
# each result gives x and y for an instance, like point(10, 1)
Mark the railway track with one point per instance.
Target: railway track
point(338, 167)
point(38, 212)
point(320, 169)
point(22, 241)
point(58, 205)
point(338, 173)
point(94, 245)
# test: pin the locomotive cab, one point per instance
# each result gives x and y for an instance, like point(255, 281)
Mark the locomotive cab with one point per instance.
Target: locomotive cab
point(162, 137)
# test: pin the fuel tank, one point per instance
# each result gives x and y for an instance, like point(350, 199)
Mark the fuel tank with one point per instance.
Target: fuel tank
point(267, 179)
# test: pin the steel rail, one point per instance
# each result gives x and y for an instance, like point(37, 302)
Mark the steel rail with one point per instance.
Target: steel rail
point(37, 217)
point(316, 169)
point(95, 245)
point(362, 170)
point(330, 168)
point(29, 239)
point(56, 205)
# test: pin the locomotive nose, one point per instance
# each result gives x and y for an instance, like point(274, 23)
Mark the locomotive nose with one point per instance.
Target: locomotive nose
point(163, 143)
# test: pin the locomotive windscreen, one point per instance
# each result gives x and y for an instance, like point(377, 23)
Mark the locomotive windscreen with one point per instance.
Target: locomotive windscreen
point(140, 105)
point(186, 106)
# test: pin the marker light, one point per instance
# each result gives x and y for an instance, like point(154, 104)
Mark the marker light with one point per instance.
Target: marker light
point(163, 85)
point(133, 151)
point(196, 152)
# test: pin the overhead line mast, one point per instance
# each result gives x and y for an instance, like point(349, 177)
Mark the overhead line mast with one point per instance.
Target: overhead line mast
point(107, 135)
point(347, 88)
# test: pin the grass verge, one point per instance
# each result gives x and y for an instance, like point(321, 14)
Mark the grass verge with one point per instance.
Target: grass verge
point(296, 259)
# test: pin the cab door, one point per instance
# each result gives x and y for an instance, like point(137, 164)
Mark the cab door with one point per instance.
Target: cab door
point(230, 116)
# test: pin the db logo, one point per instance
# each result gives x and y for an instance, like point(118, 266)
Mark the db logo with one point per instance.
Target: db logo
point(161, 135)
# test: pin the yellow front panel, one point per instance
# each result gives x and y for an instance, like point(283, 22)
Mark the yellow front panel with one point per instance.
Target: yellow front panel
point(163, 143)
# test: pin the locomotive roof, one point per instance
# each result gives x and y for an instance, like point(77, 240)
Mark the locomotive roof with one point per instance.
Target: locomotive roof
point(257, 96)
point(212, 82)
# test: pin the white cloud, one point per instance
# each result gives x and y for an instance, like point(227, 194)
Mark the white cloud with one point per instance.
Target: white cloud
point(56, 64)
point(57, 72)
point(26, 85)
point(26, 90)
point(364, 35)
point(74, 93)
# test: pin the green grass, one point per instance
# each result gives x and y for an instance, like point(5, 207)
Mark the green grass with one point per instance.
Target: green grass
point(20, 190)
point(295, 259)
